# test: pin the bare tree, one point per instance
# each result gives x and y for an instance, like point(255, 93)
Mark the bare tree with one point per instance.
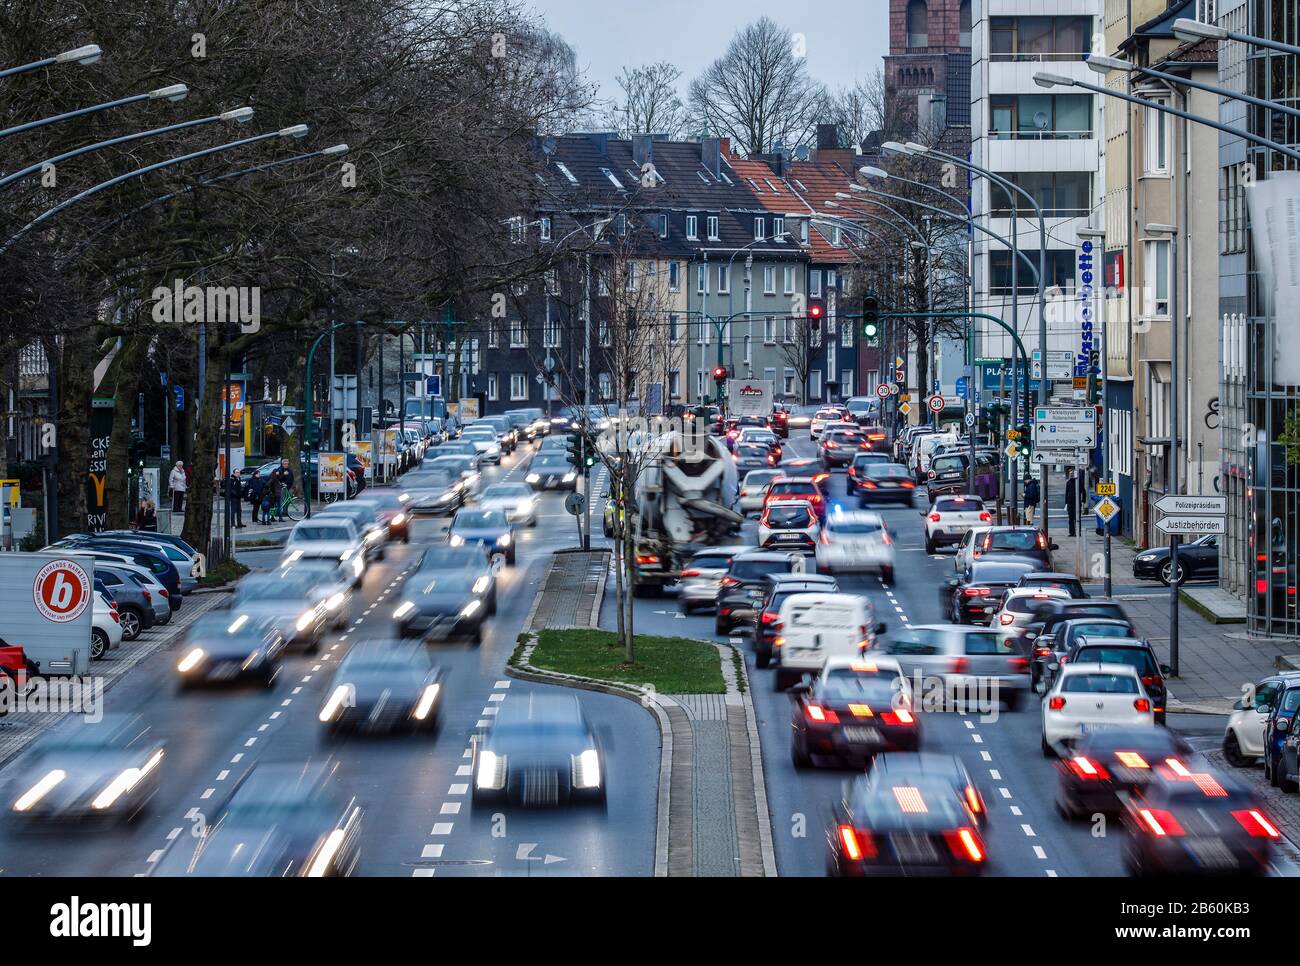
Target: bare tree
point(865, 108)
point(799, 347)
point(759, 93)
point(650, 103)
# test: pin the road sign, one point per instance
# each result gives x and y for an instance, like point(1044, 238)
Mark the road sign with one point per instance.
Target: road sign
point(574, 503)
point(1181, 525)
point(905, 408)
point(1013, 434)
point(1012, 450)
point(899, 375)
point(1064, 436)
point(1106, 508)
point(433, 385)
point(290, 425)
point(1107, 489)
point(1065, 414)
point(1060, 364)
point(1059, 457)
point(882, 390)
point(894, 389)
point(1216, 505)
point(969, 419)
point(961, 386)
point(936, 404)
point(899, 361)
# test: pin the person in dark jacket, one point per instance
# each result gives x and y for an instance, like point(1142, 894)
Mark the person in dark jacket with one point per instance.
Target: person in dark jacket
point(235, 499)
point(146, 518)
point(256, 489)
point(273, 495)
point(284, 473)
point(1074, 493)
point(1031, 498)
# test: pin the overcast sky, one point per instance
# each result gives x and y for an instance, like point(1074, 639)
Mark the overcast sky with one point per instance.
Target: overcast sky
point(845, 38)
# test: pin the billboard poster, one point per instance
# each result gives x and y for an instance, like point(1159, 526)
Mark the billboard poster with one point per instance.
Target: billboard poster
point(101, 431)
point(364, 449)
point(332, 473)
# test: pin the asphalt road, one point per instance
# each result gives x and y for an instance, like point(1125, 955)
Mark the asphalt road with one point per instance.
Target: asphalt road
point(419, 819)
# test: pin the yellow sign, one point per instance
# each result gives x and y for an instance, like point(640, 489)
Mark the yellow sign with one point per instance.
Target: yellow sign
point(332, 473)
point(905, 408)
point(1080, 382)
point(1107, 489)
point(365, 452)
point(11, 491)
point(1013, 434)
point(1105, 509)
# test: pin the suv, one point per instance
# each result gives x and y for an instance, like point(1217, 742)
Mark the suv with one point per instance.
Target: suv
point(741, 590)
point(1025, 542)
point(838, 446)
point(948, 472)
point(1136, 653)
point(776, 588)
point(950, 517)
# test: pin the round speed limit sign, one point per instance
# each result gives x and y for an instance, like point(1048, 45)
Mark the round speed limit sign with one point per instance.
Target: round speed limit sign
point(936, 404)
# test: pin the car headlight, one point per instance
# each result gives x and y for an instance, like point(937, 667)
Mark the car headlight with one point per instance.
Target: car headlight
point(343, 696)
point(346, 555)
point(524, 508)
point(305, 620)
point(481, 585)
point(447, 496)
point(190, 660)
point(456, 540)
point(374, 535)
point(38, 791)
point(586, 769)
point(335, 601)
point(425, 704)
point(403, 609)
point(570, 477)
point(503, 540)
point(124, 782)
point(470, 609)
point(398, 520)
point(1146, 558)
point(531, 478)
point(321, 862)
point(358, 565)
point(491, 771)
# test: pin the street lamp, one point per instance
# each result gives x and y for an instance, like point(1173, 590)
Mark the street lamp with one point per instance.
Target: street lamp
point(173, 93)
point(1103, 65)
point(1186, 29)
point(80, 56)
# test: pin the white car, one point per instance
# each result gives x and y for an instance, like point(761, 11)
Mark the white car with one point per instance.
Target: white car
point(1243, 738)
point(754, 488)
point(857, 540)
point(1018, 605)
point(516, 500)
point(1092, 697)
point(788, 524)
point(105, 628)
point(820, 419)
point(329, 538)
point(485, 442)
point(950, 517)
point(924, 451)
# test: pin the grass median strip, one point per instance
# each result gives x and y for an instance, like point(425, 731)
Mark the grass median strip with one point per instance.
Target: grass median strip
point(671, 665)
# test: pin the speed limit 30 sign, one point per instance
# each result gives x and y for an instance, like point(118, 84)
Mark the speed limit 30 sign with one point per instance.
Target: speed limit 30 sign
point(61, 591)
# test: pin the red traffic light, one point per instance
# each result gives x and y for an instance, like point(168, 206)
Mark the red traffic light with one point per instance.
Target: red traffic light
point(719, 373)
point(814, 311)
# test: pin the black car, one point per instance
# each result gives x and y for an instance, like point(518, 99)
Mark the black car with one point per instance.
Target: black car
point(1278, 728)
point(491, 528)
point(1104, 766)
point(1049, 613)
point(223, 647)
point(849, 713)
point(1054, 581)
point(1134, 652)
point(1198, 560)
point(551, 470)
point(473, 559)
point(857, 472)
point(1046, 650)
point(776, 589)
point(540, 752)
point(1024, 542)
point(976, 594)
point(950, 472)
point(443, 605)
point(912, 826)
point(741, 591)
point(288, 819)
point(383, 686)
point(882, 483)
point(839, 446)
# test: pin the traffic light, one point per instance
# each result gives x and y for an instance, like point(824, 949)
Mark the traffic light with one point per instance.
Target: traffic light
point(1094, 376)
point(573, 447)
point(815, 311)
point(870, 319)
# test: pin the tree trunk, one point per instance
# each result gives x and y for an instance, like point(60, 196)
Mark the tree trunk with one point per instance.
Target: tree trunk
point(126, 376)
point(203, 462)
point(75, 374)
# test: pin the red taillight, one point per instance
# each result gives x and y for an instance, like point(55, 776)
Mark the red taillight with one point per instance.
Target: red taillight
point(1042, 540)
point(857, 845)
point(1151, 679)
point(908, 485)
point(690, 573)
point(116, 619)
point(958, 665)
point(147, 595)
point(1056, 703)
point(767, 617)
point(900, 716)
point(821, 715)
point(935, 518)
point(164, 593)
point(1017, 664)
point(832, 445)
point(1142, 705)
point(977, 592)
point(729, 582)
point(965, 844)
point(985, 518)
point(1159, 822)
point(647, 558)
point(868, 485)
point(1087, 769)
point(1042, 651)
point(1254, 822)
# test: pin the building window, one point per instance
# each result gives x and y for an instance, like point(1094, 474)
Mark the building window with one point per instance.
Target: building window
point(605, 386)
point(1156, 156)
point(724, 280)
point(702, 332)
point(1061, 271)
point(493, 335)
point(1034, 38)
point(674, 276)
point(815, 384)
point(492, 386)
point(847, 387)
point(1157, 279)
point(545, 223)
point(620, 226)
point(749, 358)
point(918, 28)
point(629, 276)
point(1232, 210)
point(702, 279)
point(551, 333)
point(713, 227)
point(803, 232)
point(674, 385)
point(1040, 116)
point(551, 282)
point(832, 279)
point(674, 332)
point(518, 227)
point(778, 227)
point(602, 283)
point(815, 282)
point(787, 383)
point(1061, 194)
point(602, 333)
point(835, 236)
point(663, 225)
point(518, 385)
point(846, 335)
point(769, 330)
point(692, 227)
point(699, 384)
point(758, 229)
point(963, 24)
point(788, 273)
point(769, 279)
point(518, 334)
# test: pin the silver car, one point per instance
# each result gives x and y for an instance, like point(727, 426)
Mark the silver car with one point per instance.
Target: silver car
point(697, 588)
point(965, 663)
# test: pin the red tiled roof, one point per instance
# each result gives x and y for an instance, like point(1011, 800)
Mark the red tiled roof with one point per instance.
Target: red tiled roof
point(816, 183)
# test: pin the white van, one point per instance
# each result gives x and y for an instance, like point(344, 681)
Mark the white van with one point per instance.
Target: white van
point(814, 627)
point(924, 451)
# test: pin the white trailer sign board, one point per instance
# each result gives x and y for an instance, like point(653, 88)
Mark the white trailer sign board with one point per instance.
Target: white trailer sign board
point(49, 601)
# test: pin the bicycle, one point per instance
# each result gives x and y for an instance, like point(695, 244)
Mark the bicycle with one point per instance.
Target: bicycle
point(291, 507)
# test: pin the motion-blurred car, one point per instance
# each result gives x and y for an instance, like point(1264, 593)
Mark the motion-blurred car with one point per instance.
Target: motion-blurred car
point(1022, 542)
point(472, 559)
point(491, 528)
point(389, 506)
point(1091, 697)
point(222, 647)
point(911, 826)
point(753, 456)
point(364, 516)
point(898, 767)
point(328, 584)
point(435, 489)
point(1204, 823)
point(1198, 559)
point(333, 538)
point(464, 466)
point(516, 500)
point(281, 820)
point(540, 752)
point(697, 585)
point(82, 769)
point(788, 525)
point(975, 595)
point(383, 686)
point(1018, 604)
point(443, 605)
point(753, 488)
point(741, 589)
point(838, 446)
point(485, 441)
point(1048, 580)
point(819, 420)
point(976, 665)
point(850, 712)
point(1105, 766)
point(949, 517)
point(777, 589)
point(856, 541)
point(551, 470)
point(881, 482)
point(286, 597)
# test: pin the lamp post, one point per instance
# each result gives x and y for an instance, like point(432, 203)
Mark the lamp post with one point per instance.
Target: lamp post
point(1172, 232)
point(1187, 29)
point(173, 93)
point(1098, 237)
point(80, 56)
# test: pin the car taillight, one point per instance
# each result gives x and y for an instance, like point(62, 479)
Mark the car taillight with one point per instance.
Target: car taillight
point(1017, 664)
point(985, 517)
point(857, 845)
point(977, 592)
point(821, 715)
point(116, 619)
point(1159, 822)
point(965, 844)
point(1142, 705)
point(973, 800)
point(885, 538)
point(647, 558)
point(935, 518)
point(768, 617)
point(729, 582)
point(901, 716)
point(868, 485)
point(1151, 679)
point(958, 665)
point(744, 493)
point(1254, 822)
point(1087, 769)
point(1042, 651)
point(831, 445)
point(1056, 703)
point(164, 593)
point(908, 485)
point(1042, 540)
point(690, 573)
point(147, 596)
point(1131, 759)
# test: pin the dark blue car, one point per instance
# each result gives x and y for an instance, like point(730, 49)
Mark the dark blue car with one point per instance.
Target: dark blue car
point(1280, 749)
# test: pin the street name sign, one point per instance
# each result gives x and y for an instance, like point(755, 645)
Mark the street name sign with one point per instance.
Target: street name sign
point(1182, 525)
point(1207, 505)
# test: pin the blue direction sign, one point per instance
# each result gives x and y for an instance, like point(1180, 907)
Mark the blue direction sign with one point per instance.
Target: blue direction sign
point(961, 386)
point(433, 385)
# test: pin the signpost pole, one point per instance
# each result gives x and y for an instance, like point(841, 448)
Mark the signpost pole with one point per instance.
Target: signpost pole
point(1173, 447)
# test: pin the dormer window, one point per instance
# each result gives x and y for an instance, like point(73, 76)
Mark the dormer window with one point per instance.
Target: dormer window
point(545, 223)
point(778, 227)
point(663, 225)
point(566, 172)
point(612, 178)
point(758, 229)
point(713, 228)
point(692, 227)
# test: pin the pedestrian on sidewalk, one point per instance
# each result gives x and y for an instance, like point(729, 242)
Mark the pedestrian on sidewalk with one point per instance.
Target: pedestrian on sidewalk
point(1031, 499)
point(283, 473)
point(256, 490)
point(1073, 499)
point(274, 496)
point(235, 499)
point(178, 482)
point(146, 518)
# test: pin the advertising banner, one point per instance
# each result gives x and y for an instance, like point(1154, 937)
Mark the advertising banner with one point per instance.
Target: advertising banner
point(49, 601)
point(364, 450)
point(332, 473)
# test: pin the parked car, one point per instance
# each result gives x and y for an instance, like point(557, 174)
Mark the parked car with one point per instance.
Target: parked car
point(135, 610)
point(1280, 728)
point(1197, 560)
point(1243, 737)
point(105, 627)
